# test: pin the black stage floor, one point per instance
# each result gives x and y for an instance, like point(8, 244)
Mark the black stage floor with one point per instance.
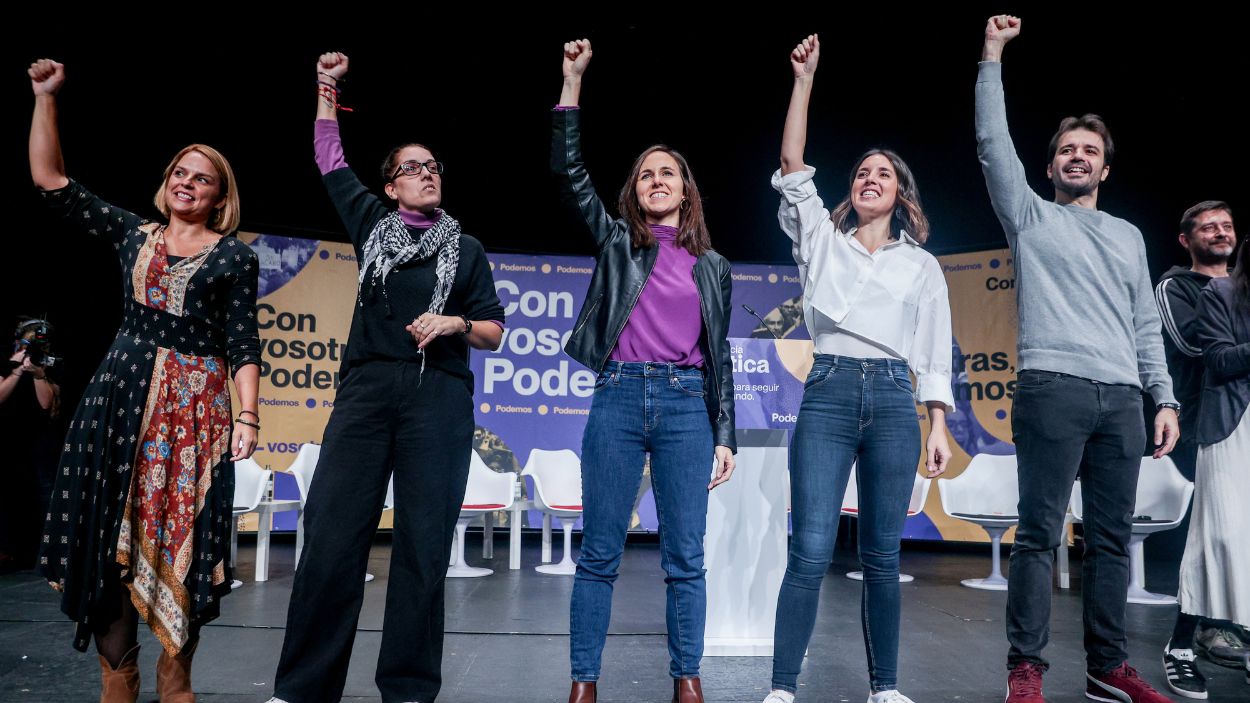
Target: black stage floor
point(508, 637)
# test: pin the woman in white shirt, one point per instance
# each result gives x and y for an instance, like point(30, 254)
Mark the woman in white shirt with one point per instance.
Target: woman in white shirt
point(876, 305)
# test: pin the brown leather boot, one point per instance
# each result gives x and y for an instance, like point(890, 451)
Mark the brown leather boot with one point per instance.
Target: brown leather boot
point(120, 685)
point(582, 692)
point(173, 675)
point(687, 690)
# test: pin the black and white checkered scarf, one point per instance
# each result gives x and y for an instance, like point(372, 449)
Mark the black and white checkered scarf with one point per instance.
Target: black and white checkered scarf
point(390, 244)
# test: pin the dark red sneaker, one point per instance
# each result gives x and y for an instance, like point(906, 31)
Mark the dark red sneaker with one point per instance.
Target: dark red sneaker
point(1024, 683)
point(1121, 685)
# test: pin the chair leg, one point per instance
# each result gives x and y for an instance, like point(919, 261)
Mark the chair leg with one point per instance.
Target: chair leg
point(234, 549)
point(460, 568)
point(546, 556)
point(1137, 592)
point(299, 535)
point(514, 536)
point(995, 581)
point(566, 566)
point(1061, 556)
point(488, 535)
point(996, 562)
point(462, 528)
point(262, 545)
point(567, 524)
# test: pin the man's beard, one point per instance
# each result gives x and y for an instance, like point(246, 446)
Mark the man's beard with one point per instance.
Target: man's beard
point(1208, 257)
point(1075, 192)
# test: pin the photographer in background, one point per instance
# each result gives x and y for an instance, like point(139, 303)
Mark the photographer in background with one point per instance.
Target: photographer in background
point(29, 400)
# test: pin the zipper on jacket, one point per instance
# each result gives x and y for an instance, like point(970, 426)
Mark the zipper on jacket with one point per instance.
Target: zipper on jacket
point(589, 312)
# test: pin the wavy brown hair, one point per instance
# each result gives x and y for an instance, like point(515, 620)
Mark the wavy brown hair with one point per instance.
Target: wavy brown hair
point(692, 234)
point(908, 213)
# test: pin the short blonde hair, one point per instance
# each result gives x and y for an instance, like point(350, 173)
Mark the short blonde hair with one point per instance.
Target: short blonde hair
point(225, 219)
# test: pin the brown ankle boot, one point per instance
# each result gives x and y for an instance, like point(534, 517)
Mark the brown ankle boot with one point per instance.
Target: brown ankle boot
point(121, 684)
point(173, 676)
point(687, 690)
point(582, 692)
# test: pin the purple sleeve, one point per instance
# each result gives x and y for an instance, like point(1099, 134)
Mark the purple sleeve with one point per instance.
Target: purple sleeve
point(565, 108)
point(327, 146)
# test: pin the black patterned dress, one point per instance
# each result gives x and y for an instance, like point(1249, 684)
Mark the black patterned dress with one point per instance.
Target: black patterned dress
point(145, 488)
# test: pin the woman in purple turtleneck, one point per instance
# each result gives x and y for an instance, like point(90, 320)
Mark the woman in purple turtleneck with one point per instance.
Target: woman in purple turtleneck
point(653, 327)
point(404, 406)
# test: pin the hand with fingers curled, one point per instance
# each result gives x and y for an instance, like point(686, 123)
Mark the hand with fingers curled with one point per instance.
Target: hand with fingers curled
point(999, 30)
point(243, 439)
point(805, 57)
point(46, 76)
point(725, 465)
point(428, 327)
point(576, 58)
point(332, 64)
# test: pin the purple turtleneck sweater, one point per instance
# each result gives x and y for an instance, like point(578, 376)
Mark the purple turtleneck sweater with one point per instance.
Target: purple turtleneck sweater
point(667, 321)
point(328, 149)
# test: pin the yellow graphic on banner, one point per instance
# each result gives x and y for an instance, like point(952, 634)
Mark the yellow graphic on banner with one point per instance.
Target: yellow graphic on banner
point(983, 376)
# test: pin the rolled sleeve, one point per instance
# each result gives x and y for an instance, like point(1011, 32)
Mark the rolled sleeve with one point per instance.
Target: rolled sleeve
point(931, 349)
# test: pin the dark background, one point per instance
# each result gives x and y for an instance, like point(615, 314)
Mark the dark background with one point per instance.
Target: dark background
point(713, 83)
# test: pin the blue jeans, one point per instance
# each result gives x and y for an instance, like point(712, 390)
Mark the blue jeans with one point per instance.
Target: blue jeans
point(853, 409)
point(642, 407)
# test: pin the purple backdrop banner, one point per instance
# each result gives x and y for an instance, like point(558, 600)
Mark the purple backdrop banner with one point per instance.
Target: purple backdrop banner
point(530, 395)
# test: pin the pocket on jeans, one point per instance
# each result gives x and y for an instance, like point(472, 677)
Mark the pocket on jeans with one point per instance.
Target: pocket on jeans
point(602, 380)
point(818, 375)
point(902, 381)
point(692, 386)
point(1036, 380)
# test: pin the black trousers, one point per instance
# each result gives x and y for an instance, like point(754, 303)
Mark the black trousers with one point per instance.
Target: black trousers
point(382, 422)
point(1061, 425)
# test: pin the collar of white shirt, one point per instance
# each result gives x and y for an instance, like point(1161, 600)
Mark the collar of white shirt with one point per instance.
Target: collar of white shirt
point(903, 238)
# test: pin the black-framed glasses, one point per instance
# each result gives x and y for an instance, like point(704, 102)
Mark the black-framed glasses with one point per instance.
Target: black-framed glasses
point(413, 168)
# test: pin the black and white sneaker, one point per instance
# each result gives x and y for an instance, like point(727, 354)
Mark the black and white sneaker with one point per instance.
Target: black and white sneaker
point(1183, 676)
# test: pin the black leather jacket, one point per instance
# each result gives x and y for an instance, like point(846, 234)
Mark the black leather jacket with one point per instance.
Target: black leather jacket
point(621, 271)
point(1224, 336)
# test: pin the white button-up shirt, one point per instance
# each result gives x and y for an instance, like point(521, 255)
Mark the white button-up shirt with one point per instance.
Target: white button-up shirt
point(894, 298)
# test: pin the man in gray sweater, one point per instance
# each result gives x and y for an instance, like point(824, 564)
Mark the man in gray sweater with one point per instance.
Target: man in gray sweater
point(1089, 343)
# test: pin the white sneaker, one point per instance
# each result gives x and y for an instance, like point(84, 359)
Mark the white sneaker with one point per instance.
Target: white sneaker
point(776, 696)
point(889, 696)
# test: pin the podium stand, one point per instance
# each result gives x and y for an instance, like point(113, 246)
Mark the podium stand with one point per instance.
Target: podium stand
point(746, 547)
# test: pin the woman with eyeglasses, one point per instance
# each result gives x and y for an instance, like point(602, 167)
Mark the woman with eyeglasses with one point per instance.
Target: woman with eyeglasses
point(404, 405)
point(654, 328)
